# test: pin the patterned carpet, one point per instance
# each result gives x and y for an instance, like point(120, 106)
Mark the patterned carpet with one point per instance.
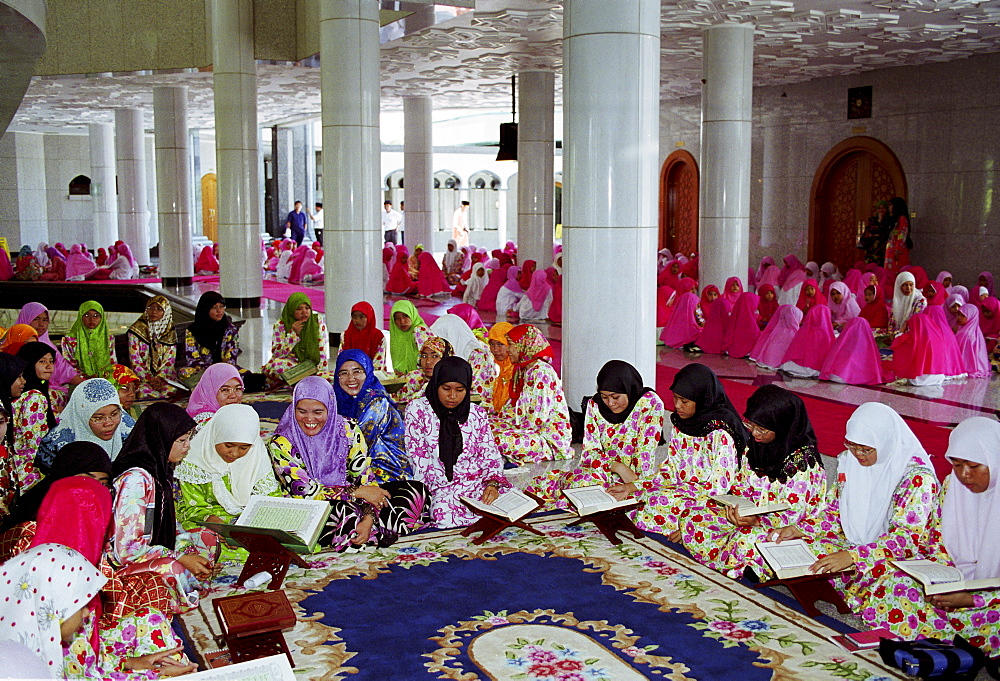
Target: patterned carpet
point(565, 606)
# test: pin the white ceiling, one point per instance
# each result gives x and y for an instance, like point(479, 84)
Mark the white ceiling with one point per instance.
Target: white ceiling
point(467, 62)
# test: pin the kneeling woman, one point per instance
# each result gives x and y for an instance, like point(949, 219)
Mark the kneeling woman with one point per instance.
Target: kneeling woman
point(299, 336)
point(782, 465)
point(622, 429)
point(318, 454)
point(227, 464)
point(451, 445)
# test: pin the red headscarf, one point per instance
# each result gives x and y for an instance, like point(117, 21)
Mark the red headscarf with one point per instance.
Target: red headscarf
point(705, 302)
point(527, 271)
point(766, 308)
point(368, 339)
point(875, 312)
point(806, 302)
point(940, 294)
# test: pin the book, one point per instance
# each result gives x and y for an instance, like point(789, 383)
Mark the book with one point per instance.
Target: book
point(788, 559)
point(254, 613)
point(293, 375)
point(512, 505)
point(745, 506)
point(942, 579)
point(594, 499)
point(272, 668)
point(862, 640)
point(296, 523)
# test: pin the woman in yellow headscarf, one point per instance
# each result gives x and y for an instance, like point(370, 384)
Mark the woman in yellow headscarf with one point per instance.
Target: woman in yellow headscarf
point(501, 353)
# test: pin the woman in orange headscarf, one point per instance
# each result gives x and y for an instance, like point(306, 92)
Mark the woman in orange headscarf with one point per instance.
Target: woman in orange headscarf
point(18, 335)
point(501, 353)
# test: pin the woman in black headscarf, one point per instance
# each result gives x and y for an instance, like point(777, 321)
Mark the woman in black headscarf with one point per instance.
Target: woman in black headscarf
point(622, 429)
point(782, 467)
point(702, 453)
point(11, 384)
point(451, 446)
point(211, 338)
point(144, 488)
point(33, 416)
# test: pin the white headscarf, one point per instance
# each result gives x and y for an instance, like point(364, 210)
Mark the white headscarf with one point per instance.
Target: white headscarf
point(477, 282)
point(40, 588)
point(41, 256)
point(453, 329)
point(866, 497)
point(969, 521)
point(250, 474)
point(450, 257)
point(285, 265)
point(982, 291)
point(74, 424)
point(902, 306)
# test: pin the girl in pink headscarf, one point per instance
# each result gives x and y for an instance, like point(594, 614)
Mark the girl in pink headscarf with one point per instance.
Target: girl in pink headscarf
point(431, 279)
point(670, 275)
point(765, 262)
point(986, 279)
point(708, 295)
point(37, 316)
point(664, 296)
point(510, 295)
point(682, 329)
point(207, 262)
point(488, 300)
point(843, 306)
point(792, 287)
point(743, 331)
point(971, 343)
point(78, 266)
point(804, 357)
point(854, 357)
point(770, 348)
point(989, 317)
point(791, 264)
point(221, 384)
point(535, 304)
point(714, 332)
point(399, 281)
point(731, 292)
point(926, 352)
point(555, 280)
point(810, 296)
point(767, 304)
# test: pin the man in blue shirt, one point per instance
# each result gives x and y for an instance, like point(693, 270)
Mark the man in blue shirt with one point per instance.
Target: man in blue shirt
point(296, 223)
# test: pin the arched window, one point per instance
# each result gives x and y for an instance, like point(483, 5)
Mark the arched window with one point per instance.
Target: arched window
point(79, 186)
point(447, 196)
point(394, 188)
point(484, 200)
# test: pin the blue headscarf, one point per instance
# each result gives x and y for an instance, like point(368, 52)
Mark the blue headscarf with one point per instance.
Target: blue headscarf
point(349, 406)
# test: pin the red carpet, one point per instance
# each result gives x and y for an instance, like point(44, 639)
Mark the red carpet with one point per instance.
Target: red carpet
point(829, 419)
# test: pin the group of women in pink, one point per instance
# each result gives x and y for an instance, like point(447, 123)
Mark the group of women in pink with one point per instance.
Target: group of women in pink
point(289, 263)
point(56, 263)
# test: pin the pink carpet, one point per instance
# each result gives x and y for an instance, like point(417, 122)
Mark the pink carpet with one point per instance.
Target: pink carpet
point(281, 292)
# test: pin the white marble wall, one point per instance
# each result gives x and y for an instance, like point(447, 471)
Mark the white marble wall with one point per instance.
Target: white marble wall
point(70, 218)
point(23, 209)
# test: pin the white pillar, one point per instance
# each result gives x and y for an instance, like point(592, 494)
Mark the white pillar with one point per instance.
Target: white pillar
point(724, 204)
point(349, 77)
point(236, 141)
point(23, 203)
point(535, 153)
point(151, 200)
point(610, 159)
point(103, 190)
point(418, 169)
point(130, 156)
point(173, 184)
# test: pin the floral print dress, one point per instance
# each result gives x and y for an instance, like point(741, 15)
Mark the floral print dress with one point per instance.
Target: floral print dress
point(632, 443)
point(537, 428)
point(283, 352)
point(139, 353)
point(198, 358)
point(421, 334)
point(484, 372)
point(69, 345)
point(478, 464)
point(30, 426)
point(414, 387)
point(142, 632)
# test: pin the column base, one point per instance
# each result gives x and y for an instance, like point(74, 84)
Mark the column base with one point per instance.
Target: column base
point(243, 303)
point(176, 281)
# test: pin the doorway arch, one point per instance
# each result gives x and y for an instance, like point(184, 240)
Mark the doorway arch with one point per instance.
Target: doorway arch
point(679, 203)
point(851, 178)
point(209, 207)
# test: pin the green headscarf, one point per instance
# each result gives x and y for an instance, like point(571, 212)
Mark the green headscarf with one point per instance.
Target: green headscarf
point(93, 352)
point(402, 344)
point(308, 346)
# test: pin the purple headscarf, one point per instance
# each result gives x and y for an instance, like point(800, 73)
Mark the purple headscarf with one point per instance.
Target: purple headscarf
point(325, 454)
point(204, 397)
point(63, 371)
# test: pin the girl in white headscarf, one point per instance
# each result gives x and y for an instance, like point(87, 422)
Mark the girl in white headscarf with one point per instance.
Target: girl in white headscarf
point(907, 300)
point(885, 506)
point(477, 282)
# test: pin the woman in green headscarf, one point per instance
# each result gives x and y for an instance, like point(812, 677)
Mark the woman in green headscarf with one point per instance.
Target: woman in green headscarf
point(299, 336)
point(407, 333)
point(88, 345)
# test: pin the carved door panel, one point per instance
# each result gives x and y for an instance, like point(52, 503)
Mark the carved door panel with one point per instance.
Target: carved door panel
point(679, 204)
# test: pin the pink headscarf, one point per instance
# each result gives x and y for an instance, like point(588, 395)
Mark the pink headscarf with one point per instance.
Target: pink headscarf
point(805, 303)
point(766, 308)
point(664, 294)
point(123, 249)
point(204, 397)
point(488, 301)
point(776, 337)
point(792, 264)
point(555, 308)
point(988, 276)
point(926, 349)
point(743, 331)
point(732, 296)
point(539, 289)
point(961, 291)
point(796, 278)
point(207, 262)
point(682, 328)
point(771, 276)
point(63, 371)
point(301, 253)
point(990, 326)
point(431, 279)
point(514, 280)
point(714, 332)
point(854, 357)
point(853, 281)
point(972, 344)
point(848, 307)
point(468, 315)
point(812, 342)
point(77, 264)
point(765, 263)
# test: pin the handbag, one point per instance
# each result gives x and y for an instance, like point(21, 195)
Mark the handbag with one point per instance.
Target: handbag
point(932, 658)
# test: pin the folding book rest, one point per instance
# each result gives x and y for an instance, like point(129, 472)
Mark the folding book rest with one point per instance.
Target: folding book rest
point(808, 589)
point(252, 624)
point(491, 525)
point(267, 554)
point(613, 521)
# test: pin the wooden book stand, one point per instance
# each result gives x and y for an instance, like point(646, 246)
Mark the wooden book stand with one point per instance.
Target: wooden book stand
point(808, 589)
point(267, 554)
point(491, 524)
point(613, 521)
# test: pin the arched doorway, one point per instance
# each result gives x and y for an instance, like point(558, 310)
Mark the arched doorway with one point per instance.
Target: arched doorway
point(679, 203)
point(209, 207)
point(852, 176)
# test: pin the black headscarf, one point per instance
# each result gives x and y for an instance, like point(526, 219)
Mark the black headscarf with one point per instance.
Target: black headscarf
point(148, 447)
point(11, 368)
point(206, 331)
point(32, 353)
point(794, 445)
point(713, 410)
point(620, 377)
point(450, 370)
point(73, 459)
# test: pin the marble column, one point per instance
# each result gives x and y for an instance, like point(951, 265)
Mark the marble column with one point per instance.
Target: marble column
point(23, 202)
point(610, 164)
point(173, 184)
point(130, 158)
point(535, 153)
point(418, 170)
point(349, 82)
point(103, 189)
point(724, 204)
point(236, 141)
point(152, 204)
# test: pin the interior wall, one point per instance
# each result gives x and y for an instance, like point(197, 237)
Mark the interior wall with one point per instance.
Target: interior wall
point(70, 219)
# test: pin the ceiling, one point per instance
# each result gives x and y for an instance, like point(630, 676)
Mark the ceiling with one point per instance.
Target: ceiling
point(466, 61)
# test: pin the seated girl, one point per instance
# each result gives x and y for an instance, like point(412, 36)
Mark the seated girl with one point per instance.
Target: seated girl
point(702, 454)
point(88, 345)
point(926, 352)
point(971, 343)
point(713, 333)
point(469, 347)
point(907, 300)
point(430, 280)
point(708, 296)
point(769, 350)
point(220, 385)
point(682, 328)
point(810, 345)
point(33, 415)
point(534, 424)
point(318, 454)
point(94, 414)
point(622, 428)
point(874, 311)
point(499, 348)
point(227, 463)
point(147, 535)
point(451, 446)
point(510, 295)
point(152, 349)
point(361, 398)
point(407, 334)
point(782, 465)
point(534, 306)
point(126, 383)
point(742, 331)
point(842, 304)
point(363, 334)
point(299, 336)
point(810, 296)
point(854, 357)
point(37, 316)
point(211, 338)
point(432, 352)
point(883, 508)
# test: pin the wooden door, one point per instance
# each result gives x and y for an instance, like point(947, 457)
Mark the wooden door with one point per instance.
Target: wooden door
point(209, 207)
point(679, 203)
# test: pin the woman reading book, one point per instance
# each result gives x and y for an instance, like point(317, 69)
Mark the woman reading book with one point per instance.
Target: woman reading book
point(227, 463)
point(884, 507)
point(970, 516)
point(318, 454)
point(622, 428)
point(451, 445)
point(300, 337)
point(782, 466)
